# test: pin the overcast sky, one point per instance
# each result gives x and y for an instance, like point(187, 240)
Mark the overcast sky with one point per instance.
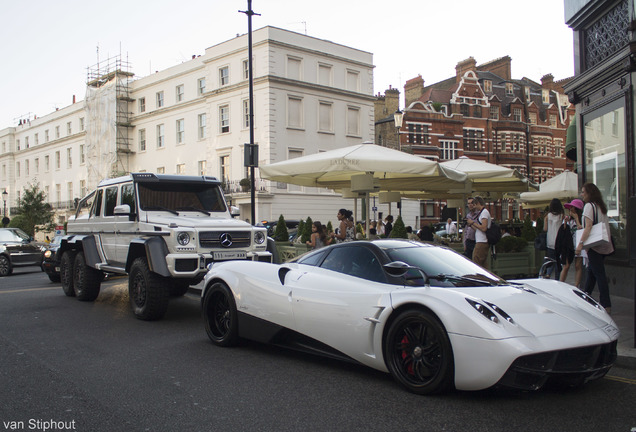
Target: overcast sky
point(46, 46)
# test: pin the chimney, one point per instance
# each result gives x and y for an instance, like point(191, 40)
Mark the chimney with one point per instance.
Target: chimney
point(547, 81)
point(73, 99)
point(465, 66)
point(413, 90)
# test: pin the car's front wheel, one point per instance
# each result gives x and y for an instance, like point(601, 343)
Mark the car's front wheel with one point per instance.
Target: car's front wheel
point(148, 292)
point(5, 266)
point(86, 280)
point(66, 272)
point(418, 353)
point(220, 316)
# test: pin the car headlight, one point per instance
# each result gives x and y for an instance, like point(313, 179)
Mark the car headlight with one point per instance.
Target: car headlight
point(48, 254)
point(183, 238)
point(484, 310)
point(259, 237)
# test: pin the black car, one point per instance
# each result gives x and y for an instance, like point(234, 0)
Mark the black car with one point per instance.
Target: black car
point(17, 249)
point(51, 263)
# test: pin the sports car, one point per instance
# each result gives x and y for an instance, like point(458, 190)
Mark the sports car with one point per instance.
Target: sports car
point(430, 317)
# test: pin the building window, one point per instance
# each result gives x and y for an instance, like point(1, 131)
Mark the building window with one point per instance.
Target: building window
point(36, 139)
point(494, 113)
point(179, 93)
point(161, 170)
point(57, 132)
point(224, 166)
point(181, 168)
point(246, 113)
point(142, 104)
point(526, 90)
point(82, 185)
point(295, 116)
point(160, 136)
point(473, 139)
point(449, 150)
point(82, 125)
point(477, 111)
point(202, 166)
point(487, 86)
point(353, 80)
point(159, 99)
point(46, 135)
point(246, 69)
point(58, 160)
point(203, 128)
point(224, 76)
point(82, 154)
point(224, 118)
point(324, 74)
point(36, 164)
point(142, 140)
point(26, 142)
point(17, 144)
point(533, 118)
point(418, 134)
point(180, 127)
point(325, 117)
point(516, 114)
point(509, 89)
point(201, 86)
point(69, 190)
point(69, 158)
point(294, 70)
point(17, 169)
point(545, 96)
point(464, 109)
point(46, 163)
point(353, 121)
point(26, 167)
point(553, 120)
point(69, 129)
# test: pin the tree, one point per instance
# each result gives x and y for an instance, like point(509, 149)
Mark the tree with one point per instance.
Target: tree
point(306, 232)
point(399, 230)
point(527, 230)
point(33, 210)
point(281, 234)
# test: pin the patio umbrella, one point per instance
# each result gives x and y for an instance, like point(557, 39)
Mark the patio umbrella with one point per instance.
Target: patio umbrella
point(564, 186)
point(487, 177)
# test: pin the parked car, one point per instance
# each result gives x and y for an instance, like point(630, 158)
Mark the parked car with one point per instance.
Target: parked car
point(17, 249)
point(432, 318)
point(51, 262)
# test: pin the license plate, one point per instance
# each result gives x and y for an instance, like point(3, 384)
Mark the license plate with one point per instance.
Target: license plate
point(220, 256)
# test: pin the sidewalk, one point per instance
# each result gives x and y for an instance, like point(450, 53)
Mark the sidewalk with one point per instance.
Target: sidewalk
point(623, 316)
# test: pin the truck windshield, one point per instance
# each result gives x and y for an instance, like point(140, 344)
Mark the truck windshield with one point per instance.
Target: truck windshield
point(175, 197)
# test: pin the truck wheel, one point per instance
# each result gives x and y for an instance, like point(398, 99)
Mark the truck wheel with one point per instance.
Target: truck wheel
point(86, 280)
point(5, 266)
point(179, 288)
point(148, 291)
point(66, 272)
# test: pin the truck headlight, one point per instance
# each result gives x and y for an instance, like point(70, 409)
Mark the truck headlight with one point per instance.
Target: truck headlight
point(259, 237)
point(183, 238)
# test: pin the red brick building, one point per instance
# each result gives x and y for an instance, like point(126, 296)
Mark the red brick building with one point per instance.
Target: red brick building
point(483, 113)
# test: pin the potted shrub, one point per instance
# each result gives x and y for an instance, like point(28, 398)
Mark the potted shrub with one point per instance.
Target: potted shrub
point(245, 184)
point(399, 230)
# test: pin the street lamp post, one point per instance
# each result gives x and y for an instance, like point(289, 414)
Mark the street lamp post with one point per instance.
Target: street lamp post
point(4, 199)
point(398, 117)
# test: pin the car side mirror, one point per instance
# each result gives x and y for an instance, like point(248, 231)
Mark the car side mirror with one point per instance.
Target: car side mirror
point(397, 268)
point(122, 210)
point(234, 211)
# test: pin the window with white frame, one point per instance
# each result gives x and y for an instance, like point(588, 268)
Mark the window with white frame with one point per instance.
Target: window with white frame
point(487, 86)
point(353, 121)
point(494, 112)
point(224, 76)
point(246, 113)
point(69, 190)
point(82, 154)
point(295, 117)
point(448, 149)
point(473, 139)
point(46, 135)
point(17, 144)
point(553, 120)
point(26, 167)
point(36, 139)
point(246, 69)
point(142, 104)
point(58, 160)
point(142, 140)
point(161, 170)
point(26, 142)
point(57, 132)
point(203, 126)
point(533, 118)
point(545, 96)
point(36, 165)
point(294, 68)
point(160, 136)
point(353, 80)
point(325, 117)
point(58, 193)
point(202, 167)
point(179, 90)
point(417, 133)
point(509, 89)
point(181, 168)
point(180, 129)
point(159, 99)
point(69, 158)
point(324, 74)
point(82, 125)
point(224, 119)
point(201, 86)
point(69, 128)
point(526, 90)
point(516, 114)
point(224, 167)
point(47, 163)
point(82, 185)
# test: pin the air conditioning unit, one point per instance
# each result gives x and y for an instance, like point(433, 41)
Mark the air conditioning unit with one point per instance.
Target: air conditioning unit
point(364, 183)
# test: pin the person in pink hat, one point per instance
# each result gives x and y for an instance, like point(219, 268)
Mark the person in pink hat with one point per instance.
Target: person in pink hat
point(573, 219)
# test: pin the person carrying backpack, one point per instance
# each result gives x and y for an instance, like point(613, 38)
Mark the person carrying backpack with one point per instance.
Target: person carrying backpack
point(483, 222)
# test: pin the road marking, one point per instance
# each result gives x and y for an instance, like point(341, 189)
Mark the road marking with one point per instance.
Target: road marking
point(621, 379)
point(28, 289)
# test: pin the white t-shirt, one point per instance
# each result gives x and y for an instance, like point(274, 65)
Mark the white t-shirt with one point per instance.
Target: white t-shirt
point(480, 236)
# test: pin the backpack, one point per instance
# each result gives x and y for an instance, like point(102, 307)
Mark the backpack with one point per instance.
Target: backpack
point(493, 233)
point(564, 244)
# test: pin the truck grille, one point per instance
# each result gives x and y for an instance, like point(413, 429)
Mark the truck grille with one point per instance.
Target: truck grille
point(225, 239)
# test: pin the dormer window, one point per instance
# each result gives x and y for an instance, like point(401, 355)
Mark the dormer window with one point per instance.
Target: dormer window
point(509, 89)
point(487, 86)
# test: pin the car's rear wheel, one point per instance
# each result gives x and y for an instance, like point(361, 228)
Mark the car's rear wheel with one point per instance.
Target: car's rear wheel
point(86, 280)
point(148, 292)
point(5, 266)
point(220, 316)
point(418, 353)
point(66, 272)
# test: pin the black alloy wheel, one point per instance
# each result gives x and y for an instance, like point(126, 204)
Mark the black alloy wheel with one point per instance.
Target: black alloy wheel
point(220, 316)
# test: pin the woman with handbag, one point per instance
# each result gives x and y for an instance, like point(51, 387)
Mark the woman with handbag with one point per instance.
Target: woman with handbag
point(595, 212)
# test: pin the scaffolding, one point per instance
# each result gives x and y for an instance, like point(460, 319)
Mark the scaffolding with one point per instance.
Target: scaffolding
point(109, 127)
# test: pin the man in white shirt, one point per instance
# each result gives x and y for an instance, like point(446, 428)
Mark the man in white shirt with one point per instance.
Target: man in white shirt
point(480, 253)
point(451, 227)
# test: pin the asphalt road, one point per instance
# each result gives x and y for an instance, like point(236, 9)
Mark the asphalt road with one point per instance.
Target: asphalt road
point(69, 365)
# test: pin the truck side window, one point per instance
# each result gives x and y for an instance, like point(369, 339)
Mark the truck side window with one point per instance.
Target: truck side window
point(128, 196)
point(97, 205)
point(111, 201)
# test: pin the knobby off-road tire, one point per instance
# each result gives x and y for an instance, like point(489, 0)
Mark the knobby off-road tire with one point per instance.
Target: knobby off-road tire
point(148, 292)
point(66, 272)
point(220, 316)
point(86, 280)
point(5, 266)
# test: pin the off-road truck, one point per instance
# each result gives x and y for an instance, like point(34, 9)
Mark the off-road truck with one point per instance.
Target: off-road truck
point(160, 230)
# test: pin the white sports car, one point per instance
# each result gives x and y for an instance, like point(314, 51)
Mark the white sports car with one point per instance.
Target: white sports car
point(429, 316)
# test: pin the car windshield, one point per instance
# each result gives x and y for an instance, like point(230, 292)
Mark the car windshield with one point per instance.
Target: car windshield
point(13, 235)
point(443, 267)
point(176, 197)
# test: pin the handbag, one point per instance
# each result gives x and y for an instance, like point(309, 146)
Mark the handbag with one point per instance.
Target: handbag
point(599, 238)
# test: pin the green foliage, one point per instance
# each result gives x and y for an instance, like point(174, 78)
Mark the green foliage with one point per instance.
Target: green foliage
point(399, 229)
point(306, 232)
point(281, 234)
point(329, 227)
point(527, 230)
point(360, 230)
point(300, 229)
point(539, 226)
point(33, 210)
point(20, 222)
point(511, 244)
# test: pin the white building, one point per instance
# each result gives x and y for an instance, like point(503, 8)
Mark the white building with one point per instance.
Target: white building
point(310, 95)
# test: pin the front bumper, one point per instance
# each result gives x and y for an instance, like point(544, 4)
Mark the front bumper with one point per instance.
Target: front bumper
point(192, 265)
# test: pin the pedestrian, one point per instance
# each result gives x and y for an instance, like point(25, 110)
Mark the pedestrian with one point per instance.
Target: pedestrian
point(469, 231)
point(388, 226)
point(346, 231)
point(595, 210)
point(410, 234)
point(318, 236)
point(551, 223)
point(480, 224)
point(451, 227)
point(573, 219)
